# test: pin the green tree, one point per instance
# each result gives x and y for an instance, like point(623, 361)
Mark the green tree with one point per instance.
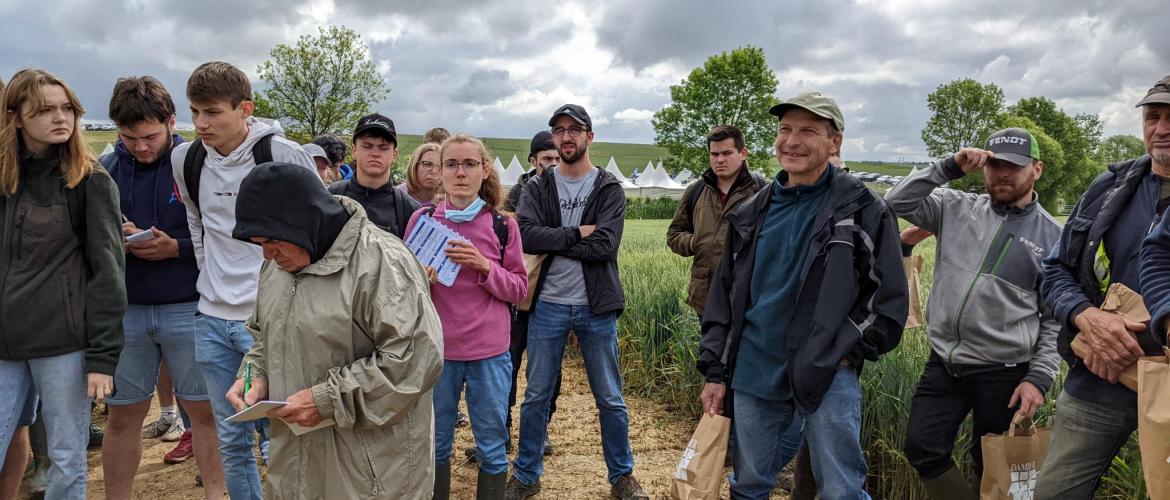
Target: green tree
point(264, 107)
point(322, 84)
point(963, 113)
point(1120, 147)
point(732, 88)
point(1079, 136)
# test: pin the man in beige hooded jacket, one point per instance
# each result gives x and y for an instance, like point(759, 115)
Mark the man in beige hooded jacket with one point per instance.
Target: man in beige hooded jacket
point(345, 331)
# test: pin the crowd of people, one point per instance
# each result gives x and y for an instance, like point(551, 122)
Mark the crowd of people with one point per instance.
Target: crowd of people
point(243, 267)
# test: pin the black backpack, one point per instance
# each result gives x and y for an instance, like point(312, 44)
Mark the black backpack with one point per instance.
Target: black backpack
point(693, 196)
point(197, 156)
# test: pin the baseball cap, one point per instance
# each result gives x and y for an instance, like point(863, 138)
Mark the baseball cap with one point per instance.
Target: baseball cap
point(315, 151)
point(815, 103)
point(542, 141)
point(1015, 145)
point(378, 124)
point(1158, 94)
point(572, 111)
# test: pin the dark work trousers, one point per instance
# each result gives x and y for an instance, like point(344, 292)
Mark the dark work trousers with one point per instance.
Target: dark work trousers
point(942, 401)
point(519, 345)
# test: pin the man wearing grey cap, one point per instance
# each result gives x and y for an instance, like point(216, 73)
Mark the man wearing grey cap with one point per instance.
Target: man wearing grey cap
point(1100, 245)
point(810, 286)
point(574, 214)
point(324, 167)
point(993, 345)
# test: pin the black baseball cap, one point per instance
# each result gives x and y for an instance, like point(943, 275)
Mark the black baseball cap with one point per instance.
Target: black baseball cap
point(575, 112)
point(1158, 94)
point(542, 141)
point(1015, 145)
point(376, 124)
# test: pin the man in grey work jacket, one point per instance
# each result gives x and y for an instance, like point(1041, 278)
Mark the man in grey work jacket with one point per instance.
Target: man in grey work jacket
point(993, 344)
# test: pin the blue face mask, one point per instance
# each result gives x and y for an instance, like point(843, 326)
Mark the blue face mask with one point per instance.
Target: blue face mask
point(465, 215)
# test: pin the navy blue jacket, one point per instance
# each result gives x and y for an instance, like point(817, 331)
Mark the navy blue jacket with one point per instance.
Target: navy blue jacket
point(1155, 274)
point(148, 198)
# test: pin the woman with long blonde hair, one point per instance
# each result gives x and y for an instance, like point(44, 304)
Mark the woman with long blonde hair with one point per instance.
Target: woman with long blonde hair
point(62, 289)
point(475, 312)
point(423, 176)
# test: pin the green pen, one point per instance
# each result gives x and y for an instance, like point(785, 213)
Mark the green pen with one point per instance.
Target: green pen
point(247, 382)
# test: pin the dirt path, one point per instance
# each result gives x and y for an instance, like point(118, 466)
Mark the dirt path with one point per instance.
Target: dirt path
point(576, 469)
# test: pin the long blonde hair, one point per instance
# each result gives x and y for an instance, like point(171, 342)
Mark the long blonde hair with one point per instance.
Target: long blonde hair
point(412, 184)
point(77, 161)
point(491, 190)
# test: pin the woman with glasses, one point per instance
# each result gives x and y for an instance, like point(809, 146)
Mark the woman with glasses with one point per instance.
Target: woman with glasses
point(475, 312)
point(422, 175)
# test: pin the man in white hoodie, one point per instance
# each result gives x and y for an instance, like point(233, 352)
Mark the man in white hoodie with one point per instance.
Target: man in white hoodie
point(208, 173)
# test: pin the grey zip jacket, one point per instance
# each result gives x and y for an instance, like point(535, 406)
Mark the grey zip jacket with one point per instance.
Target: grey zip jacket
point(985, 309)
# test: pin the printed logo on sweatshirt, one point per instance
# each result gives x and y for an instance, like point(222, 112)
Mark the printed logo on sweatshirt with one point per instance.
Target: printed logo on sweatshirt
point(1036, 249)
point(225, 194)
point(573, 204)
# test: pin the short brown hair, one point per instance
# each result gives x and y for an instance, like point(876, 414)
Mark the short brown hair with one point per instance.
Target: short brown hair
point(139, 99)
point(437, 135)
point(725, 132)
point(217, 80)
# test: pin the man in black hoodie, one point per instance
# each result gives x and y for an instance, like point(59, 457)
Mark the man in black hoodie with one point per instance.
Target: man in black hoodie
point(375, 148)
point(574, 215)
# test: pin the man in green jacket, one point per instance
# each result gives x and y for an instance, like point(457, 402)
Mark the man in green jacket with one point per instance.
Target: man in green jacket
point(346, 334)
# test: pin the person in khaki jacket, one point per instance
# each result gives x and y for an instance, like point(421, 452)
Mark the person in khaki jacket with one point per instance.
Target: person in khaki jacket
point(698, 226)
point(345, 332)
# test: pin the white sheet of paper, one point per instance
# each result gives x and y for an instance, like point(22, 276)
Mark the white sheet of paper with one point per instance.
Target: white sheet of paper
point(256, 411)
point(429, 242)
point(142, 236)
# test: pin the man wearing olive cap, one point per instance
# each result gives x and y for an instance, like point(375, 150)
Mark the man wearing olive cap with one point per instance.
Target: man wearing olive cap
point(993, 344)
point(1100, 245)
point(810, 286)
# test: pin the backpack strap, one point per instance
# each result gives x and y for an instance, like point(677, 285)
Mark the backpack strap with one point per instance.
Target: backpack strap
point(192, 170)
point(693, 198)
point(262, 150)
point(75, 199)
point(501, 227)
point(402, 210)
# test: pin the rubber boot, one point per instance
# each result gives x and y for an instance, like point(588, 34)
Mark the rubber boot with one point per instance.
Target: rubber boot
point(951, 485)
point(443, 481)
point(490, 486)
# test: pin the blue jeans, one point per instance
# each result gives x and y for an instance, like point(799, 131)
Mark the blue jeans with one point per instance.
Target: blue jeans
point(548, 325)
point(834, 440)
point(220, 346)
point(1085, 438)
point(61, 383)
point(153, 334)
point(487, 382)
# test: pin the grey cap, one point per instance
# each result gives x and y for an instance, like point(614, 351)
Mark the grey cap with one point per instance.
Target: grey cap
point(815, 103)
point(1158, 94)
point(315, 151)
point(1015, 145)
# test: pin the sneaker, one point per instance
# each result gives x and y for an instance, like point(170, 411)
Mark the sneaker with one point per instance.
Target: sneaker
point(182, 451)
point(160, 427)
point(199, 480)
point(519, 491)
point(461, 420)
point(627, 488)
point(37, 482)
point(470, 452)
point(96, 435)
point(175, 433)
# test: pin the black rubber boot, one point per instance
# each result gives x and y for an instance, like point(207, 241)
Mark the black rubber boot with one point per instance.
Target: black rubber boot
point(443, 481)
point(490, 486)
point(951, 485)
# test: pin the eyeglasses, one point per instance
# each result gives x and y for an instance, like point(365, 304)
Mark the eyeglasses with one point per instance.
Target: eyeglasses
point(574, 132)
point(468, 165)
point(429, 166)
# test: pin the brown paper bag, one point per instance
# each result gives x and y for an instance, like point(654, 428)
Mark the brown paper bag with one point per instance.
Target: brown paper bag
point(1154, 423)
point(1121, 300)
point(1011, 461)
point(913, 266)
point(532, 264)
point(700, 472)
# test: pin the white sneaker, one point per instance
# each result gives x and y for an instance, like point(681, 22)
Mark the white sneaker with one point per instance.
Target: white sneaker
point(160, 427)
point(175, 433)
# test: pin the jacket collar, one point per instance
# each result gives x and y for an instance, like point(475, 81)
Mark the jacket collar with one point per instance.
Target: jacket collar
point(164, 160)
point(339, 254)
point(1013, 211)
point(845, 194)
point(386, 189)
point(742, 178)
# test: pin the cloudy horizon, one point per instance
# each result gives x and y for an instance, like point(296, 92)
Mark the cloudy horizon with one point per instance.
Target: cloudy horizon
point(498, 68)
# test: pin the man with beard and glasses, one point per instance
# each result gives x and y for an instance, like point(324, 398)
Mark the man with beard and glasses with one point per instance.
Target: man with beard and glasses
point(993, 344)
point(574, 214)
point(1100, 245)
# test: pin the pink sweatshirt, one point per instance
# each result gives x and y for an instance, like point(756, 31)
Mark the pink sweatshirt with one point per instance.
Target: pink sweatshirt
point(477, 322)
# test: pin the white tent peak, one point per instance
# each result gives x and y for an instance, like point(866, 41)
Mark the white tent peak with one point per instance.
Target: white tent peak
point(512, 174)
point(107, 150)
point(612, 168)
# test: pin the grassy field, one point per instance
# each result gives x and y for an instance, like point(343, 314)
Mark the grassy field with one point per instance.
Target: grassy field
point(659, 336)
point(627, 156)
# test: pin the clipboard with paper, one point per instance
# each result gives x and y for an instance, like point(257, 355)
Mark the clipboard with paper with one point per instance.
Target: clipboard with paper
point(429, 242)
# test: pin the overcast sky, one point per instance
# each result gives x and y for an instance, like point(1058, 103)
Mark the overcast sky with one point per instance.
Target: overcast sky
point(499, 68)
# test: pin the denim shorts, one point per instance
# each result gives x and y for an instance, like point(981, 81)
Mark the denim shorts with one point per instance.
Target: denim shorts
point(154, 334)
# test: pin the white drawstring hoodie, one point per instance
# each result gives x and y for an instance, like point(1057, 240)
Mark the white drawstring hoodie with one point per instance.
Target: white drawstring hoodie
point(229, 268)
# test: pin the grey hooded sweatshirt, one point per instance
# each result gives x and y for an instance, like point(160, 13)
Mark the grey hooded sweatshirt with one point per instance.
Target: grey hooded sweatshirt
point(985, 309)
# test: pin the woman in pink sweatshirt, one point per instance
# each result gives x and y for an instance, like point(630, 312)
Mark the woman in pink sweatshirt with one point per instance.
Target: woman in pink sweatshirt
point(475, 311)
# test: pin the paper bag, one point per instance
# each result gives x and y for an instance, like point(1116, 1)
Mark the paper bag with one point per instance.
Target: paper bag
point(1121, 300)
point(1154, 423)
point(913, 266)
point(532, 264)
point(700, 471)
point(1011, 461)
